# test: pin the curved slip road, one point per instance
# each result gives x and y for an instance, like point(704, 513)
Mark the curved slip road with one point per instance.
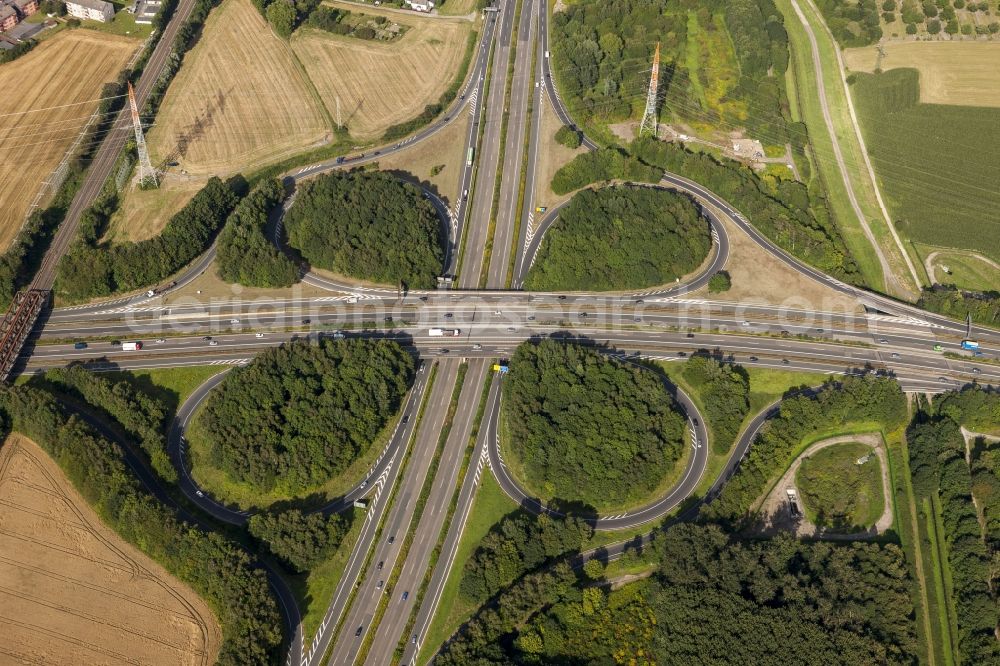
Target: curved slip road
point(176, 449)
point(693, 472)
point(720, 248)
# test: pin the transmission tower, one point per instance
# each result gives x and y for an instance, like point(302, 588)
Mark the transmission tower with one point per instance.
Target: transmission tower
point(649, 122)
point(146, 172)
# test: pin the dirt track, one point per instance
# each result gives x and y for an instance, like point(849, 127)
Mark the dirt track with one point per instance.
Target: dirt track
point(71, 592)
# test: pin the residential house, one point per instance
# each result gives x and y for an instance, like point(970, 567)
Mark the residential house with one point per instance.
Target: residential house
point(8, 17)
point(94, 10)
point(420, 5)
point(25, 7)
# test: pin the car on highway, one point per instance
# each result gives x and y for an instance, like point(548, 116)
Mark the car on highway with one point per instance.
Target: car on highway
point(79, 345)
point(258, 335)
point(406, 419)
point(414, 639)
point(234, 321)
point(358, 632)
point(207, 338)
point(531, 317)
point(388, 319)
point(444, 351)
point(682, 354)
point(636, 318)
point(639, 302)
point(381, 564)
point(976, 371)
point(583, 314)
point(894, 355)
point(380, 585)
point(944, 379)
point(689, 335)
point(745, 323)
point(511, 329)
point(477, 346)
point(199, 493)
point(406, 595)
point(160, 341)
point(883, 341)
point(448, 315)
point(213, 343)
point(116, 343)
point(392, 539)
point(784, 361)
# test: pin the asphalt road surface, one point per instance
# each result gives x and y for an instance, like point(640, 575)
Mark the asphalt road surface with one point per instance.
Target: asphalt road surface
point(397, 524)
point(428, 529)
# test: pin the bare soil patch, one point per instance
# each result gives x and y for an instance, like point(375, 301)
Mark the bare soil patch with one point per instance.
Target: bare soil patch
point(72, 592)
point(551, 156)
point(48, 96)
point(759, 278)
point(961, 73)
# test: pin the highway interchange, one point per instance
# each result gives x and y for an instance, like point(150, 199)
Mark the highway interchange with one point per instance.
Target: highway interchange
point(658, 324)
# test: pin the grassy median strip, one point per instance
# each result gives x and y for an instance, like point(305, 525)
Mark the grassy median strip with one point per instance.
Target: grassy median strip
point(484, 270)
point(481, 104)
point(418, 511)
point(388, 504)
point(518, 212)
point(452, 507)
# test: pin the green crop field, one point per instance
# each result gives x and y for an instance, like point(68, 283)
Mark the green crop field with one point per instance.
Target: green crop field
point(937, 164)
point(839, 493)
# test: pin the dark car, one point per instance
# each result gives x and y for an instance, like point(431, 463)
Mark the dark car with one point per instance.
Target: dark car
point(784, 361)
point(79, 345)
point(358, 632)
point(406, 595)
point(392, 540)
point(388, 320)
point(381, 564)
point(406, 418)
point(690, 335)
point(207, 338)
point(682, 354)
point(753, 359)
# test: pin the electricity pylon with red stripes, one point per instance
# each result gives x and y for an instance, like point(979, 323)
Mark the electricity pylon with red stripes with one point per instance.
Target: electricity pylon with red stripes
point(146, 172)
point(649, 120)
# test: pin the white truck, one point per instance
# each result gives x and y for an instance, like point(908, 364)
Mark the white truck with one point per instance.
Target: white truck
point(131, 346)
point(444, 332)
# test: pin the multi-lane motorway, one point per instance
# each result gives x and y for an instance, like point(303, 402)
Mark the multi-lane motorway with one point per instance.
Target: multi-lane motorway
point(662, 324)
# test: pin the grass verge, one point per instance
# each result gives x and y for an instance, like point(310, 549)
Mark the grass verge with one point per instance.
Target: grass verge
point(489, 507)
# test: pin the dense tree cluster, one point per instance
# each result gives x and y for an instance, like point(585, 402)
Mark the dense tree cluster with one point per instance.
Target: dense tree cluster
point(986, 490)
point(21, 48)
point(602, 50)
point(519, 543)
point(938, 466)
point(602, 165)
point(953, 302)
point(851, 400)
point(245, 255)
point(587, 428)
point(711, 600)
point(725, 397)
point(568, 137)
point(299, 414)
point(22, 257)
point(138, 413)
point(785, 214)
point(974, 407)
point(720, 282)
point(215, 567)
point(91, 269)
point(854, 22)
point(617, 238)
point(299, 540)
point(367, 225)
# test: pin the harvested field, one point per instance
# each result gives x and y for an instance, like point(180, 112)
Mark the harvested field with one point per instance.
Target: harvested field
point(962, 73)
point(239, 101)
point(48, 96)
point(381, 84)
point(71, 592)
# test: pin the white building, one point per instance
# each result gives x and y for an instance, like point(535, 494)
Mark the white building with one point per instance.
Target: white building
point(420, 5)
point(94, 10)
